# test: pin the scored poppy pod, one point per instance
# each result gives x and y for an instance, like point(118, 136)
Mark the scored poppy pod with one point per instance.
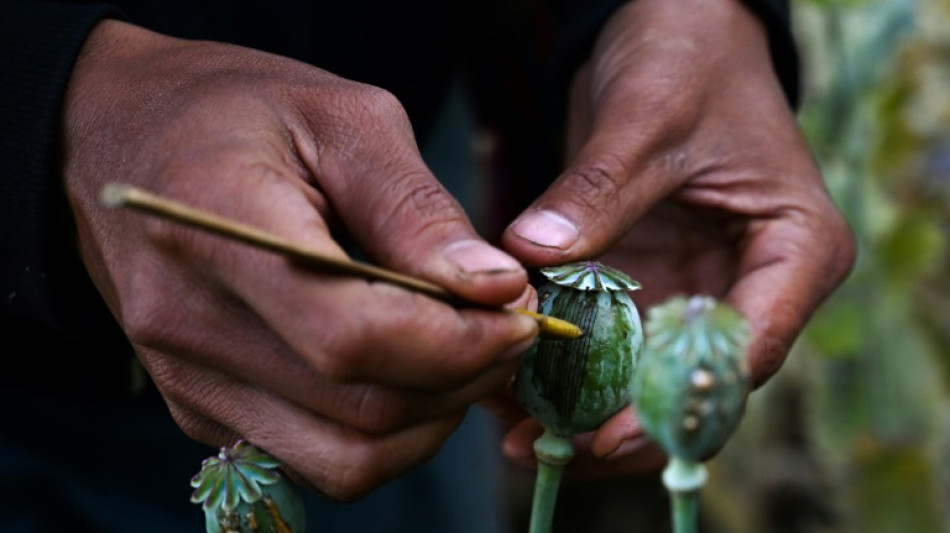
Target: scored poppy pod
point(574, 386)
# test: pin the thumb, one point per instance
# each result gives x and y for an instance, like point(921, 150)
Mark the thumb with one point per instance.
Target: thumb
point(607, 186)
point(625, 136)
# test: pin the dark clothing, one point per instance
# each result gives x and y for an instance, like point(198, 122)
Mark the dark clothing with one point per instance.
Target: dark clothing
point(68, 372)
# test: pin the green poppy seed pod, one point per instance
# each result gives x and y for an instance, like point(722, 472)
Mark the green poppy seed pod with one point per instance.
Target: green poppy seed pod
point(241, 491)
point(693, 380)
point(573, 386)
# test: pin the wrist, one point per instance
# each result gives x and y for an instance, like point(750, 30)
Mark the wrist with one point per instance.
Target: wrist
point(704, 25)
point(717, 45)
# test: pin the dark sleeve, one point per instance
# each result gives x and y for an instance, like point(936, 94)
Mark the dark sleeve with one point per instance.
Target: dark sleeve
point(776, 15)
point(41, 277)
point(576, 24)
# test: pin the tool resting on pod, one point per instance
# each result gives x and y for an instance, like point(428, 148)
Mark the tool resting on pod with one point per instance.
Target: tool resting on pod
point(118, 195)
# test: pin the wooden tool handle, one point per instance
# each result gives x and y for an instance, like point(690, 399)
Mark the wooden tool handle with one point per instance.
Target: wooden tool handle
point(118, 195)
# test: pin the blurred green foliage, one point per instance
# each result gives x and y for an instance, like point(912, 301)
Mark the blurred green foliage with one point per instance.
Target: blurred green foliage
point(853, 435)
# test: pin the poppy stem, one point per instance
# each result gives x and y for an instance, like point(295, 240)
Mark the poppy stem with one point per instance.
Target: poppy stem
point(684, 479)
point(553, 452)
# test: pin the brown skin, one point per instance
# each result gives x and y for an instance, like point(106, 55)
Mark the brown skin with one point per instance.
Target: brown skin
point(677, 123)
point(686, 168)
point(349, 383)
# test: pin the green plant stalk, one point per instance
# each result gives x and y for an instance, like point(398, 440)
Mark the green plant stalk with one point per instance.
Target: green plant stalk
point(573, 386)
point(545, 497)
point(685, 511)
point(684, 479)
point(553, 453)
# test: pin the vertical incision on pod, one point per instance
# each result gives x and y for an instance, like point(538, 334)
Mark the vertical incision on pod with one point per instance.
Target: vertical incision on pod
point(573, 386)
point(562, 364)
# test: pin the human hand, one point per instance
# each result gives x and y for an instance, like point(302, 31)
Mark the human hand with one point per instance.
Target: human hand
point(348, 383)
point(686, 168)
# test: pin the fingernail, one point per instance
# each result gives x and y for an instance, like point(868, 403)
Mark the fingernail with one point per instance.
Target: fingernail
point(626, 448)
point(476, 257)
point(546, 228)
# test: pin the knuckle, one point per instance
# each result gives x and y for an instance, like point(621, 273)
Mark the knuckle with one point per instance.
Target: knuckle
point(337, 366)
point(150, 319)
point(361, 463)
point(827, 225)
point(177, 240)
point(596, 184)
point(426, 196)
point(340, 353)
point(380, 105)
point(382, 102)
point(770, 356)
point(422, 205)
point(365, 462)
point(421, 195)
point(366, 467)
point(358, 474)
point(600, 176)
point(375, 412)
point(361, 118)
point(846, 251)
point(161, 233)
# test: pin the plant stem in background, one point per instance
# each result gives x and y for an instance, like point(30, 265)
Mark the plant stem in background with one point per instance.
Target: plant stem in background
point(691, 391)
point(684, 480)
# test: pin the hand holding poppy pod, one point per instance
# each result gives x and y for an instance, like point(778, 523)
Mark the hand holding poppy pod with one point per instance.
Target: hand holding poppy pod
point(573, 386)
point(690, 385)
